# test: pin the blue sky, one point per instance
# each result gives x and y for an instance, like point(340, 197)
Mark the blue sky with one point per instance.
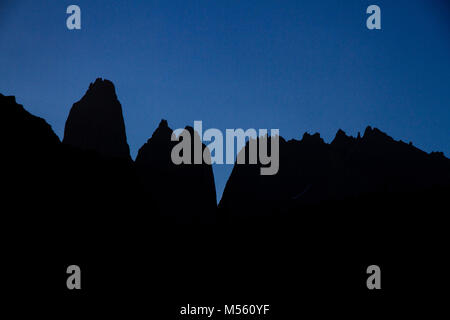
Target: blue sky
point(294, 65)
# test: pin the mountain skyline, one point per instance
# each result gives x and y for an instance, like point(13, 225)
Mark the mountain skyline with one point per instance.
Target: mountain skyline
point(95, 123)
point(353, 201)
point(340, 209)
point(295, 65)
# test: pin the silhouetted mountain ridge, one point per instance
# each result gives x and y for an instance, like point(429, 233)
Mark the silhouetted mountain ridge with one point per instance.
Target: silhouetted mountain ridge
point(25, 127)
point(312, 171)
point(332, 210)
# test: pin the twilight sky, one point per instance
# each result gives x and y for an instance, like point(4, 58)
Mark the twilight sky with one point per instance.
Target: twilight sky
point(294, 65)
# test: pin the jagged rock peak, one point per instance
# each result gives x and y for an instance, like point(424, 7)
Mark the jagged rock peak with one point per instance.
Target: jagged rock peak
point(437, 155)
point(9, 99)
point(342, 139)
point(20, 125)
point(102, 86)
point(340, 133)
point(163, 132)
point(163, 124)
point(314, 138)
point(161, 177)
point(96, 122)
point(375, 134)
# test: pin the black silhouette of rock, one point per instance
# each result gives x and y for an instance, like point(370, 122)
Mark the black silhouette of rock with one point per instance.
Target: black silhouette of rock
point(312, 172)
point(22, 130)
point(184, 192)
point(52, 183)
point(96, 122)
point(59, 201)
point(29, 150)
point(343, 205)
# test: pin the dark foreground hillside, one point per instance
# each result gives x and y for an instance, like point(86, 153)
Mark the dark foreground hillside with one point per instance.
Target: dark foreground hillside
point(300, 241)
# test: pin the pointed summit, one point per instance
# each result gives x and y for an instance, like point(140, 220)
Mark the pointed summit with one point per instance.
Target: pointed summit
point(96, 122)
point(102, 85)
point(374, 134)
point(186, 192)
point(163, 124)
point(312, 139)
point(163, 133)
point(341, 139)
point(21, 129)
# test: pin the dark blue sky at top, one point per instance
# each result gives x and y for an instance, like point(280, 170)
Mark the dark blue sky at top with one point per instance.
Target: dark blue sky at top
point(294, 65)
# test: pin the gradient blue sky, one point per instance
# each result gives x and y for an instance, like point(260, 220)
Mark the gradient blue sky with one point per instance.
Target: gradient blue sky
point(294, 65)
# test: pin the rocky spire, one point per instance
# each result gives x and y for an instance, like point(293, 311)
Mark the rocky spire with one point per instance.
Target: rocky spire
point(341, 139)
point(96, 122)
point(185, 192)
